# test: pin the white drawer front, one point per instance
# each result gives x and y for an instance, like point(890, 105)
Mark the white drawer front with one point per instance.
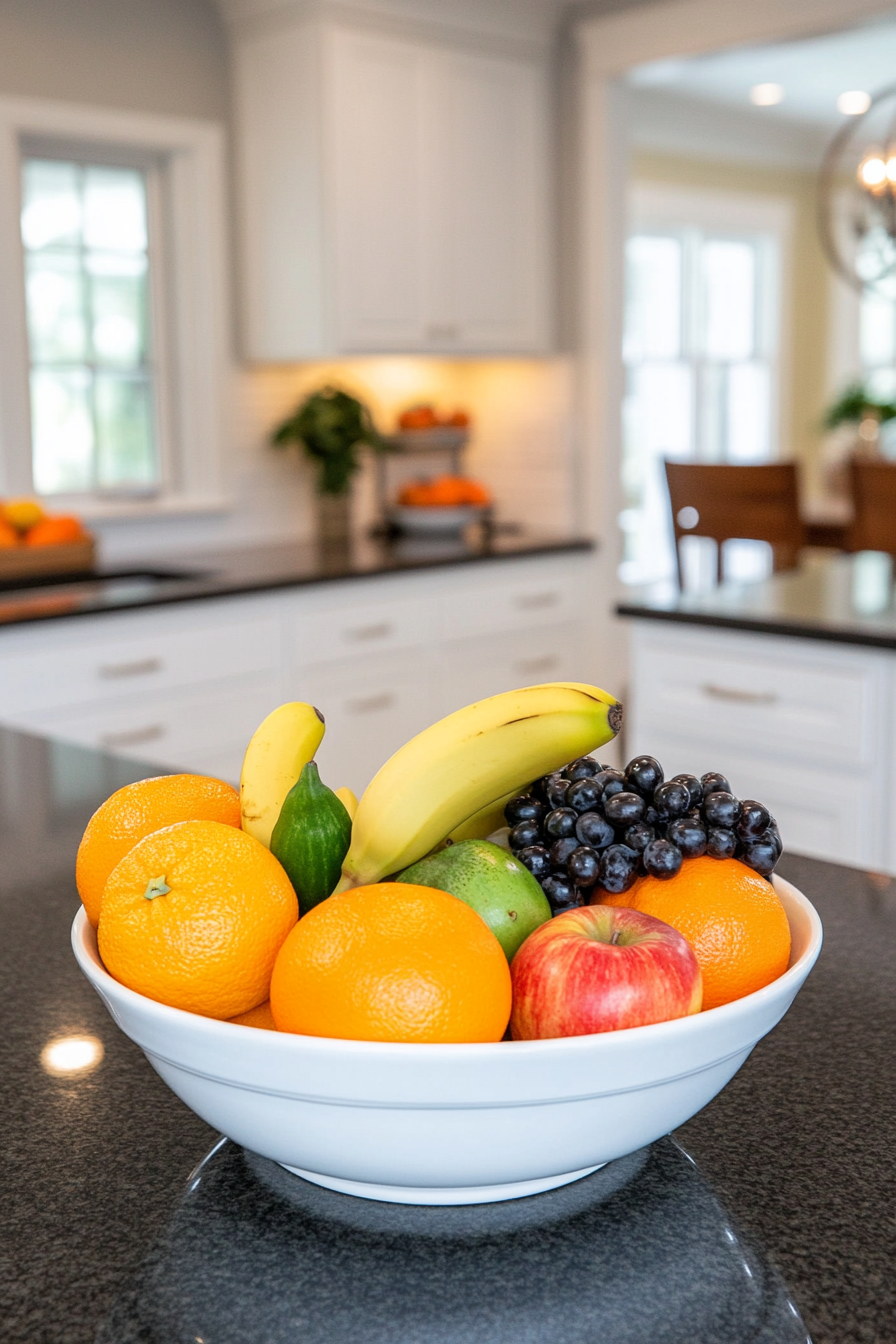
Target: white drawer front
point(195, 731)
point(473, 669)
point(517, 603)
point(813, 704)
point(72, 669)
point(362, 631)
point(370, 712)
point(816, 813)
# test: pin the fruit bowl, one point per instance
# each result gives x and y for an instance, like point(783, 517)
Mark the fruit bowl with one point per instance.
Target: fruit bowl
point(436, 518)
point(451, 1124)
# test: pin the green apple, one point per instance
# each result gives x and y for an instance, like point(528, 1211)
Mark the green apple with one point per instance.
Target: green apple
point(491, 881)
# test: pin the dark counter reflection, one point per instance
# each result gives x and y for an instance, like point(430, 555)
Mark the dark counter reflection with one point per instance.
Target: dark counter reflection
point(641, 1252)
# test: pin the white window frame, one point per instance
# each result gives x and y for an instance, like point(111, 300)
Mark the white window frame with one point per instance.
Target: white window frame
point(191, 313)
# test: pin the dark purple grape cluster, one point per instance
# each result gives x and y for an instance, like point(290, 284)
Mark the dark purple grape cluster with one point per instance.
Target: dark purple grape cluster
point(589, 828)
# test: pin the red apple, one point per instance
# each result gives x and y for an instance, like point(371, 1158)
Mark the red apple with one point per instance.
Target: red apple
point(601, 968)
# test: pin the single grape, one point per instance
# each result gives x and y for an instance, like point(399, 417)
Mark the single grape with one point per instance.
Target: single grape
point(720, 843)
point(593, 829)
point(721, 809)
point(772, 834)
point(555, 791)
point(651, 816)
point(671, 799)
point(583, 795)
point(583, 865)
point(538, 788)
point(662, 859)
point(688, 834)
point(584, 768)
point(537, 859)
point(561, 893)
point(609, 782)
point(523, 808)
point(623, 808)
point(524, 833)
point(754, 819)
point(638, 836)
point(642, 775)
point(761, 855)
point(693, 786)
point(713, 782)
point(618, 869)
point(560, 823)
point(561, 850)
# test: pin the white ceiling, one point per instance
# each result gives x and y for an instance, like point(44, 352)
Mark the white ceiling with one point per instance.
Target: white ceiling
point(813, 73)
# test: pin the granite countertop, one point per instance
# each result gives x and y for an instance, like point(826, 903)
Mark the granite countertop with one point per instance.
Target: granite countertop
point(188, 577)
point(847, 599)
point(125, 1220)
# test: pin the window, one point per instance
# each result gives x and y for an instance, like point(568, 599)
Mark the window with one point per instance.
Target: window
point(85, 232)
point(700, 348)
point(113, 309)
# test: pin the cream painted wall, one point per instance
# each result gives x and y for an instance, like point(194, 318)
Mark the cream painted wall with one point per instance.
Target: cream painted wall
point(806, 359)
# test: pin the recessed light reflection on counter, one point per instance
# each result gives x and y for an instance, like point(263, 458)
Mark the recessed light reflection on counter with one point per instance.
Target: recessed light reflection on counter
point(69, 1055)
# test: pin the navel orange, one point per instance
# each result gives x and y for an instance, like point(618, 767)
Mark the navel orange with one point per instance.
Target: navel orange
point(136, 811)
point(392, 962)
point(257, 1017)
point(194, 916)
point(731, 917)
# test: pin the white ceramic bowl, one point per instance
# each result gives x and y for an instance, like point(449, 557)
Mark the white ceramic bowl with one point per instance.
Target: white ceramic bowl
point(438, 518)
point(451, 1124)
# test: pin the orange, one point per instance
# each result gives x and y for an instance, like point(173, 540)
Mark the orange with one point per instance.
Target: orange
point(8, 535)
point(194, 917)
point(138, 810)
point(257, 1017)
point(392, 962)
point(731, 917)
point(55, 531)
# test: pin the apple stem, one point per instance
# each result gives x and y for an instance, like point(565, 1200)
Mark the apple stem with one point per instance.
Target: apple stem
point(615, 939)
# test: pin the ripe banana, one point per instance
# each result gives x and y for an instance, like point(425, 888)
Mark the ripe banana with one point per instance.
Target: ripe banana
point(280, 746)
point(464, 762)
point(348, 799)
point(486, 821)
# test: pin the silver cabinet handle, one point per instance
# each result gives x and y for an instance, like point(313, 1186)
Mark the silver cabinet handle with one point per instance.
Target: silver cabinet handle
point(542, 664)
point(135, 737)
point(535, 601)
point(738, 696)
point(363, 632)
point(141, 667)
point(371, 704)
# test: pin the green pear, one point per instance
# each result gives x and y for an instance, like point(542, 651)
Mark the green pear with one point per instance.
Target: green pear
point(490, 880)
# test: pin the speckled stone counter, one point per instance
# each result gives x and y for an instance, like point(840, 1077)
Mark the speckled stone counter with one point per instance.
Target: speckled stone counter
point(125, 1219)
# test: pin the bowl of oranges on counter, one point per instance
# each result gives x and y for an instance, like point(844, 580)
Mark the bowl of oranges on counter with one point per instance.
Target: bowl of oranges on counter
point(503, 967)
point(33, 541)
point(440, 504)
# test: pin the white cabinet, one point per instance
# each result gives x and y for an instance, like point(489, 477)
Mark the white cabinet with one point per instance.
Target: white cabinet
point(184, 686)
point(394, 195)
point(802, 725)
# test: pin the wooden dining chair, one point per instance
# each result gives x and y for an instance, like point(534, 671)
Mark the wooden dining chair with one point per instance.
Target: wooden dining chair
point(873, 527)
point(758, 503)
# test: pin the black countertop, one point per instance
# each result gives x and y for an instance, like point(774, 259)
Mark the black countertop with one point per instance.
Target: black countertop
point(847, 599)
point(188, 577)
point(785, 1205)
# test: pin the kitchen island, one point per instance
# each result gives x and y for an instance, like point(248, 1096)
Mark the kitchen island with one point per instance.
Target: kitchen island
point(125, 1218)
point(792, 681)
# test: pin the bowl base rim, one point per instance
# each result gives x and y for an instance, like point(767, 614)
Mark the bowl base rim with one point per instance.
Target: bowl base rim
point(445, 1195)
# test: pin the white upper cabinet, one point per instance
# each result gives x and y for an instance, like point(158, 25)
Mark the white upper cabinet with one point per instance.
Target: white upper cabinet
point(395, 196)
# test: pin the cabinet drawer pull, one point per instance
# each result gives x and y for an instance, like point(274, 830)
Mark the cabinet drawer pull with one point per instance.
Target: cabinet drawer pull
point(738, 696)
point(536, 601)
point(135, 737)
point(371, 704)
point(542, 664)
point(379, 631)
point(141, 667)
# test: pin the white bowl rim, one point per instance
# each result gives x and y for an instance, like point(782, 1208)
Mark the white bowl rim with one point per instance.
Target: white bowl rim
point(84, 945)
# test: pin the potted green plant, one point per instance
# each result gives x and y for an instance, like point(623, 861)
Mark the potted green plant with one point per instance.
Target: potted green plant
point(858, 406)
point(330, 425)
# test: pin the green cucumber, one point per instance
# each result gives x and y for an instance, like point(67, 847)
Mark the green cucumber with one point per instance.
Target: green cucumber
point(311, 838)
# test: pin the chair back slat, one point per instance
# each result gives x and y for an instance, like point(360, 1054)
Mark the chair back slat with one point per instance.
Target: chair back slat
point(873, 527)
point(759, 503)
